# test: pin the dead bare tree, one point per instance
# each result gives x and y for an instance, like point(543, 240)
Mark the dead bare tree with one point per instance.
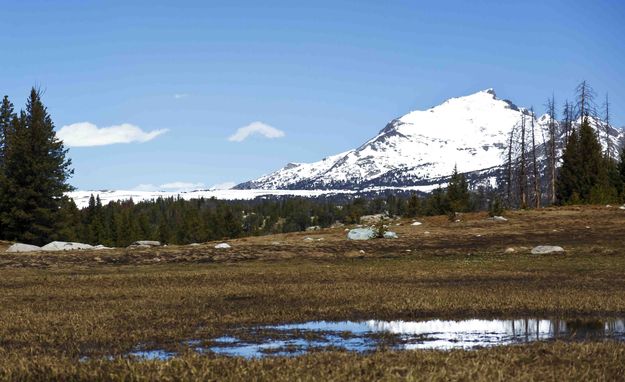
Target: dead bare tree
point(537, 191)
point(522, 172)
point(606, 122)
point(509, 170)
point(551, 130)
point(568, 121)
point(585, 100)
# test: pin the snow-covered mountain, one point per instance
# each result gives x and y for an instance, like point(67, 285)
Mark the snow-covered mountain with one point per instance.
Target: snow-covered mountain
point(421, 148)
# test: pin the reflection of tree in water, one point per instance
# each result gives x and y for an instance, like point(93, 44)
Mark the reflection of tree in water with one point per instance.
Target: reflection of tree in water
point(582, 329)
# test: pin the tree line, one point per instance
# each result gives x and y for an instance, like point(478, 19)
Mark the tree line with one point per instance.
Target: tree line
point(178, 221)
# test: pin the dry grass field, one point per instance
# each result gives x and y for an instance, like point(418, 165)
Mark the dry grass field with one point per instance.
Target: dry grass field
point(75, 316)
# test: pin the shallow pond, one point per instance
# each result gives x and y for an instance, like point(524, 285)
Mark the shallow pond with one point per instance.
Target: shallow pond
point(367, 336)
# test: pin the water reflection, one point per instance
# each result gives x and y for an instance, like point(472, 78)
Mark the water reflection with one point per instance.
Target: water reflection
point(364, 336)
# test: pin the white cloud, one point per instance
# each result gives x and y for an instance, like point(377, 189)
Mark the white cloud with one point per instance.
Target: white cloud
point(145, 187)
point(223, 186)
point(181, 186)
point(169, 187)
point(180, 95)
point(84, 134)
point(256, 128)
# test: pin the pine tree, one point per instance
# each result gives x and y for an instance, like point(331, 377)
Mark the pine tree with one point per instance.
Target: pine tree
point(413, 205)
point(458, 192)
point(7, 120)
point(567, 185)
point(595, 186)
point(585, 176)
point(621, 171)
point(7, 115)
point(35, 176)
point(614, 189)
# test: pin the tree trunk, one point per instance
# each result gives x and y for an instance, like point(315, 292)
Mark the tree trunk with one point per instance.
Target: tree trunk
point(537, 195)
point(522, 174)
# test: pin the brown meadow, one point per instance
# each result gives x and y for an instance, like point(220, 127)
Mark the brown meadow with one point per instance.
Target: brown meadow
point(75, 316)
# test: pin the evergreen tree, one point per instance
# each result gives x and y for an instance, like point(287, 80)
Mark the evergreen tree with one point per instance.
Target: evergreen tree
point(584, 176)
point(7, 115)
point(567, 186)
point(496, 207)
point(35, 176)
point(414, 205)
point(458, 192)
point(615, 183)
point(7, 119)
point(437, 203)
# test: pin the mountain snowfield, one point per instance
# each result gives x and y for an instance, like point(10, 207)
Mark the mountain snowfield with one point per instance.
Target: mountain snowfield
point(420, 148)
point(417, 151)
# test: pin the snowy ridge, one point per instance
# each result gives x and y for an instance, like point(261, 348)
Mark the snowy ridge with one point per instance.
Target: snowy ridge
point(81, 198)
point(422, 148)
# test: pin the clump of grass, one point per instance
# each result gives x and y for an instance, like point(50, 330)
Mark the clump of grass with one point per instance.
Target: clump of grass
point(539, 361)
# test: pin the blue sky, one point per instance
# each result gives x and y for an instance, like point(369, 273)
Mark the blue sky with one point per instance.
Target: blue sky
point(327, 75)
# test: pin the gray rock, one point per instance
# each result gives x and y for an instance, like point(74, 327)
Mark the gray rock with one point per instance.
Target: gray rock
point(19, 247)
point(65, 246)
point(223, 246)
point(139, 246)
point(390, 235)
point(361, 234)
point(371, 219)
point(149, 243)
point(313, 228)
point(546, 249)
point(416, 223)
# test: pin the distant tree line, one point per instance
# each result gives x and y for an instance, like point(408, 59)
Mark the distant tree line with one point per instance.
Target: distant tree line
point(178, 221)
